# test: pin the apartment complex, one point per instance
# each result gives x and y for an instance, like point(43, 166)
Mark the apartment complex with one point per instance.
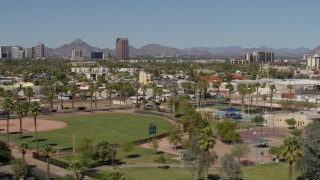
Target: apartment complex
point(145, 78)
point(313, 61)
point(122, 49)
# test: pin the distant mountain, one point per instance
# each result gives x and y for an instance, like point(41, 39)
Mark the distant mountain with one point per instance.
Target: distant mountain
point(66, 49)
point(158, 50)
point(315, 50)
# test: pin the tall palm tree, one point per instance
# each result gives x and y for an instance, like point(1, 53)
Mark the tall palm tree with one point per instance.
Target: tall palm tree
point(47, 150)
point(109, 91)
point(96, 89)
point(205, 89)
point(20, 112)
point(29, 93)
point(73, 90)
point(250, 89)
point(61, 88)
point(126, 88)
point(35, 111)
point(186, 86)
point(292, 151)
point(217, 85)
point(290, 87)
point(50, 94)
point(257, 85)
point(157, 91)
point(91, 91)
point(243, 90)
point(206, 141)
point(23, 147)
point(272, 89)
point(136, 87)
point(8, 107)
point(231, 88)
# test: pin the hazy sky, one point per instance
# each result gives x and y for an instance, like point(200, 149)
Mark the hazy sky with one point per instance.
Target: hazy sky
point(175, 23)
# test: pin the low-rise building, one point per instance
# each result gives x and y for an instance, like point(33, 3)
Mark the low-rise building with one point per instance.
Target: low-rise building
point(303, 118)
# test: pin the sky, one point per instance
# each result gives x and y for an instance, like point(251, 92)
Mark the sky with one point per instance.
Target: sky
point(174, 23)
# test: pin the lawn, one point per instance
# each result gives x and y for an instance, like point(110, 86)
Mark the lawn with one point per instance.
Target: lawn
point(261, 172)
point(112, 127)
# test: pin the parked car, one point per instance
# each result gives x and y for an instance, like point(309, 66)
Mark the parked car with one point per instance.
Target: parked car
point(81, 108)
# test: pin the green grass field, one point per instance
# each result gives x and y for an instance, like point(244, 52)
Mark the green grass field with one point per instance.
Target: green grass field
point(261, 172)
point(112, 127)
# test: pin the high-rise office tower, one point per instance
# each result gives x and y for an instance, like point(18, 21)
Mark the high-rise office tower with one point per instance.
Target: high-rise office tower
point(17, 52)
point(39, 50)
point(2, 51)
point(28, 53)
point(122, 49)
point(96, 55)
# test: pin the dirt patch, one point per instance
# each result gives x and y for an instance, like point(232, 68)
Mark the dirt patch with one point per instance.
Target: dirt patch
point(28, 125)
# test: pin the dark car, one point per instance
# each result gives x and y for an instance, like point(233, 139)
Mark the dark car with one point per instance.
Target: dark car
point(81, 108)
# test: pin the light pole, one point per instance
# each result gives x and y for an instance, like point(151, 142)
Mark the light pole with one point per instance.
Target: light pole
point(174, 101)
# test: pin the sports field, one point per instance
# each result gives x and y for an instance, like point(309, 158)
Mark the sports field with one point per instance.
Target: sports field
point(112, 127)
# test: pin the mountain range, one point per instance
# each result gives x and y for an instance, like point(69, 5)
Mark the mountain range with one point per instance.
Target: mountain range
point(158, 50)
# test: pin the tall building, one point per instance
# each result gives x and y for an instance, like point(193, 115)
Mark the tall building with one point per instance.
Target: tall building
point(313, 62)
point(39, 50)
point(96, 55)
point(17, 52)
point(122, 49)
point(76, 54)
point(2, 51)
point(5, 52)
point(260, 57)
point(144, 77)
point(28, 52)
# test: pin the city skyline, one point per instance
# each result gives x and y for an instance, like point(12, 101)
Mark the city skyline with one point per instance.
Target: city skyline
point(175, 24)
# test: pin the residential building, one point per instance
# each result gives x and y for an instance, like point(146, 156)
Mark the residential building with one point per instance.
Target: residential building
point(145, 77)
point(122, 49)
point(91, 73)
point(39, 49)
point(313, 62)
point(17, 52)
point(76, 54)
point(96, 55)
point(28, 52)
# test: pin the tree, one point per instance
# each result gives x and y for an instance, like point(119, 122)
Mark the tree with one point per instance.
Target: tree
point(144, 88)
point(8, 107)
point(73, 90)
point(23, 147)
point(230, 168)
point(20, 168)
point(48, 150)
point(160, 159)
point(20, 111)
point(206, 141)
point(292, 151)
point(231, 88)
point(175, 136)
point(110, 89)
point(258, 119)
point(112, 176)
point(291, 122)
point(227, 130)
point(239, 151)
point(103, 151)
point(243, 90)
point(51, 90)
point(309, 163)
point(186, 86)
point(276, 151)
point(155, 145)
point(272, 89)
point(126, 88)
point(91, 91)
point(77, 167)
point(126, 147)
point(35, 111)
point(5, 153)
point(29, 93)
point(297, 133)
point(290, 87)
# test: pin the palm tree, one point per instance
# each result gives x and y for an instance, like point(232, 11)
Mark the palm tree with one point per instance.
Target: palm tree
point(272, 89)
point(243, 90)
point(217, 85)
point(250, 89)
point(136, 87)
point(23, 147)
point(8, 107)
point(126, 87)
point(50, 93)
point(29, 93)
point(73, 90)
point(91, 91)
point(257, 85)
point(186, 86)
point(156, 91)
point(96, 89)
point(20, 112)
point(35, 111)
point(206, 141)
point(109, 91)
point(290, 87)
point(61, 89)
point(292, 151)
point(231, 88)
point(76, 167)
point(47, 150)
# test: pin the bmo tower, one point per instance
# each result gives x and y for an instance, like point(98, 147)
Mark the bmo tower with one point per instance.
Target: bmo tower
point(122, 49)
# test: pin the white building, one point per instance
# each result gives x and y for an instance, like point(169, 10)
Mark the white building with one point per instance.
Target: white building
point(313, 62)
point(17, 52)
point(28, 53)
point(76, 54)
point(91, 73)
